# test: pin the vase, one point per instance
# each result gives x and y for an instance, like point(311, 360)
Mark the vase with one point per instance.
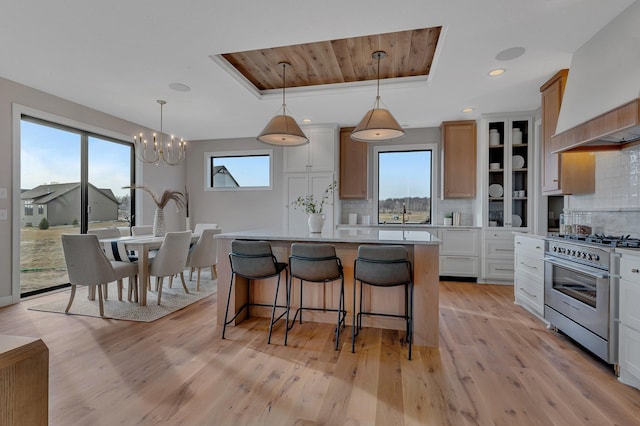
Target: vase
point(448, 221)
point(316, 222)
point(159, 225)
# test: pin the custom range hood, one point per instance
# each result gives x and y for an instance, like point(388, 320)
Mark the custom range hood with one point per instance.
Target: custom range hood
point(601, 102)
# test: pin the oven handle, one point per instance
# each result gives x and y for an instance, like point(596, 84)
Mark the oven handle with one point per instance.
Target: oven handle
point(576, 268)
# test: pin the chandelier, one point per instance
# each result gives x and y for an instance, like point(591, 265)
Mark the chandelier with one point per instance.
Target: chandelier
point(378, 124)
point(172, 153)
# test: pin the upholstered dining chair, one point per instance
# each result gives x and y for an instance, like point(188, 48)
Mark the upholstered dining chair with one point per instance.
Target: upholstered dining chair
point(383, 266)
point(317, 263)
point(202, 226)
point(137, 230)
point(87, 265)
point(254, 260)
point(204, 254)
point(113, 232)
point(171, 259)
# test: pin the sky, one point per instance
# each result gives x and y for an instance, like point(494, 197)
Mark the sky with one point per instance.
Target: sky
point(50, 155)
point(404, 174)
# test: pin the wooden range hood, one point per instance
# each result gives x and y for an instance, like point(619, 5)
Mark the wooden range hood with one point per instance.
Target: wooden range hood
point(613, 130)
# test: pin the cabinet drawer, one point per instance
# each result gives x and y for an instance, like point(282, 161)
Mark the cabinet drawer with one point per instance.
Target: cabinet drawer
point(499, 269)
point(530, 290)
point(499, 249)
point(629, 302)
point(529, 264)
point(629, 356)
point(459, 242)
point(531, 245)
point(630, 268)
point(457, 266)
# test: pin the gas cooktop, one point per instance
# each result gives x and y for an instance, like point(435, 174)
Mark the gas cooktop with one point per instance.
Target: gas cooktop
point(602, 240)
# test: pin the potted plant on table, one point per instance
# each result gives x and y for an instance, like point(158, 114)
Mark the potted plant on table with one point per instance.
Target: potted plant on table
point(161, 201)
point(314, 207)
point(448, 218)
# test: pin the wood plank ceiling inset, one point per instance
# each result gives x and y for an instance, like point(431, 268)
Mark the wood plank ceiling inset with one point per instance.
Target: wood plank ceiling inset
point(409, 54)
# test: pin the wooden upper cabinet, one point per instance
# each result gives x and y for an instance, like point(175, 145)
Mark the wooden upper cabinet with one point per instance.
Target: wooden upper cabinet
point(569, 172)
point(458, 159)
point(354, 167)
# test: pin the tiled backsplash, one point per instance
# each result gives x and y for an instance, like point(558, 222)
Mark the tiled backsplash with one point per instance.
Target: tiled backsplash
point(615, 205)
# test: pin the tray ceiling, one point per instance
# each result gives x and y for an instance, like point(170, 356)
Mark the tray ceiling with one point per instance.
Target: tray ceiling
point(348, 60)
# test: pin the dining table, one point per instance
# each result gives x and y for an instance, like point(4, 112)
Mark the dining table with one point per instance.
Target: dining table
point(117, 248)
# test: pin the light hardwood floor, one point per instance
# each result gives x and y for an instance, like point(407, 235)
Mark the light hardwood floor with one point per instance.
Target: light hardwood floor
point(496, 364)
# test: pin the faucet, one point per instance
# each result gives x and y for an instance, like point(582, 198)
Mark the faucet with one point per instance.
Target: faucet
point(404, 212)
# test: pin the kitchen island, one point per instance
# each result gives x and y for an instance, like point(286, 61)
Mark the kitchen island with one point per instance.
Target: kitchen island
point(423, 248)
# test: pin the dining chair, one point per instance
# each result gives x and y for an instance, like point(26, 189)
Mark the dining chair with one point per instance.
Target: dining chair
point(254, 260)
point(317, 263)
point(120, 255)
point(137, 230)
point(202, 226)
point(87, 265)
point(383, 266)
point(171, 259)
point(204, 254)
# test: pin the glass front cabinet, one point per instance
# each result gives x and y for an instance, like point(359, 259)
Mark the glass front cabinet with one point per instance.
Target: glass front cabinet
point(508, 176)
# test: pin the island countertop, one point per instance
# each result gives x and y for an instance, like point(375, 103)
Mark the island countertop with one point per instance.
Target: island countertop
point(363, 236)
point(422, 247)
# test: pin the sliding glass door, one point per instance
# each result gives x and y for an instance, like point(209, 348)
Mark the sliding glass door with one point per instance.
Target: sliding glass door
point(71, 181)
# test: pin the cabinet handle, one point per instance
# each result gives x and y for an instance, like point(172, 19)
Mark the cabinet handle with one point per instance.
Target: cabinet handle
point(458, 230)
point(528, 294)
point(499, 249)
point(518, 242)
point(502, 269)
point(635, 271)
point(528, 266)
point(538, 247)
point(555, 180)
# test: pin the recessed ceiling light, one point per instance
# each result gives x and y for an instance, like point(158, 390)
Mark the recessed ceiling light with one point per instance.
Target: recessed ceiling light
point(511, 53)
point(467, 109)
point(306, 120)
point(496, 72)
point(179, 87)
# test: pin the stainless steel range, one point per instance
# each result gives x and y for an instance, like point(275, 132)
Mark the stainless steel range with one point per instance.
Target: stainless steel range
point(582, 290)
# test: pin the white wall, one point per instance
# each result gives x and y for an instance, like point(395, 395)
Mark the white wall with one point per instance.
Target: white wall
point(19, 97)
point(604, 71)
point(233, 210)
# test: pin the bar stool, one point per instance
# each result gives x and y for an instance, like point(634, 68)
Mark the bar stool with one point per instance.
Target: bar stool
point(254, 260)
point(317, 263)
point(383, 266)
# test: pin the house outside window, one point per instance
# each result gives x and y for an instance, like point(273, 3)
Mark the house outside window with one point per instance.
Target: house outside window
point(28, 208)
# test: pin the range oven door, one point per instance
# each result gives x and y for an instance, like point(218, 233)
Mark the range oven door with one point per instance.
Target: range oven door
point(578, 292)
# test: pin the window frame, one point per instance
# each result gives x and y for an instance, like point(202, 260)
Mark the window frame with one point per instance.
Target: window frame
point(208, 165)
point(403, 148)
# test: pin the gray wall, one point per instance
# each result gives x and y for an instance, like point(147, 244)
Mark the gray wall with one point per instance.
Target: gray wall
point(53, 107)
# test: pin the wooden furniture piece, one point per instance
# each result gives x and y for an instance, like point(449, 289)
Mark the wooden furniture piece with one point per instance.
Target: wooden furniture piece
point(458, 158)
point(422, 247)
point(317, 263)
point(567, 172)
point(24, 381)
point(142, 245)
point(629, 345)
point(382, 267)
point(529, 273)
point(354, 167)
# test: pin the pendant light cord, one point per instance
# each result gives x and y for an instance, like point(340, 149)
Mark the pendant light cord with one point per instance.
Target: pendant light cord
point(284, 72)
point(378, 85)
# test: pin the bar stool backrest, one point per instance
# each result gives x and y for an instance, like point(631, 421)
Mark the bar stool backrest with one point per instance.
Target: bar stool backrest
point(383, 265)
point(314, 262)
point(252, 259)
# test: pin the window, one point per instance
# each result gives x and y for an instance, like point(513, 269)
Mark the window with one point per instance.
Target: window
point(28, 208)
point(239, 170)
point(404, 183)
point(40, 209)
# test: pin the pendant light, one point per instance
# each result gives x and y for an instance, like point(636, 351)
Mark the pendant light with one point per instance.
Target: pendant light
point(283, 130)
point(378, 124)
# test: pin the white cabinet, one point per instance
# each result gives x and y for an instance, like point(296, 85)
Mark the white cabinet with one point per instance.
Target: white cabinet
point(629, 345)
point(459, 252)
point(498, 257)
point(319, 155)
point(507, 178)
point(529, 273)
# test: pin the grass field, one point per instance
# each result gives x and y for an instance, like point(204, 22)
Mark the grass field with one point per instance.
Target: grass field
point(41, 258)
